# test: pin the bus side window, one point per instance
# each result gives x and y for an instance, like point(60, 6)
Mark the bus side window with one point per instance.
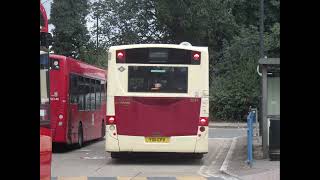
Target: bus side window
point(98, 94)
point(87, 95)
point(103, 92)
point(73, 88)
point(81, 90)
point(93, 95)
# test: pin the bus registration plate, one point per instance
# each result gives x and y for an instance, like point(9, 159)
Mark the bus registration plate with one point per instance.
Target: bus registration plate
point(157, 139)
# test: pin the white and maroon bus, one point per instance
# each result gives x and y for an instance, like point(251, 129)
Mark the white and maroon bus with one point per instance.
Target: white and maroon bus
point(77, 95)
point(158, 99)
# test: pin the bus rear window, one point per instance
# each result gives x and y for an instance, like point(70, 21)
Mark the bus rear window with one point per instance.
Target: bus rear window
point(158, 79)
point(156, 56)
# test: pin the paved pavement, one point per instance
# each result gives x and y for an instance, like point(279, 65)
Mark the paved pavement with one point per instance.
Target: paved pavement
point(262, 169)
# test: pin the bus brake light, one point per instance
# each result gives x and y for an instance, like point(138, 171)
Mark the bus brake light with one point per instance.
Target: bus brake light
point(111, 120)
point(121, 56)
point(203, 121)
point(196, 56)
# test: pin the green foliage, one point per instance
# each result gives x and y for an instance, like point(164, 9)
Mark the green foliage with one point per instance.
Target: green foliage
point(126, 22)
point(237, 85)
point(70, 33)
point(95, 56)
point(230, 29)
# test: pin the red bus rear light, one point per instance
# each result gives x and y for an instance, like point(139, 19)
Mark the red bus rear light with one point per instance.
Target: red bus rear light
point(111, 120)
point(196, 56)
point(121, 56)
point(203, 121)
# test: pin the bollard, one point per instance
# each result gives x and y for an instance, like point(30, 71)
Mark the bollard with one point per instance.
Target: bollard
point(250, 119)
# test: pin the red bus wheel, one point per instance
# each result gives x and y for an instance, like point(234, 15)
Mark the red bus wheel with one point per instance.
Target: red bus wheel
point(80, 136)
point(103, 129)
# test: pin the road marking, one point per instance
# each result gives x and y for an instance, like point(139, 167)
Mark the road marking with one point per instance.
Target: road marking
point(190, 178)
point(94, 157)
point(161, 178)
point(132, 178)
point(73, 178)
point(84, 150)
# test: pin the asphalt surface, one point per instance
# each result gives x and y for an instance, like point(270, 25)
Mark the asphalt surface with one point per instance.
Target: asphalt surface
point(93, 161)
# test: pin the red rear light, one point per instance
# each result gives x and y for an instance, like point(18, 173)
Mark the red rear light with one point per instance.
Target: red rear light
point(121, 56)
point(196, 56)
point(111, 120)
point(203, 121)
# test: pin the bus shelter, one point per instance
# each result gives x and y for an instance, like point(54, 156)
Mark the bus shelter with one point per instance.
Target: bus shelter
point(270, 107)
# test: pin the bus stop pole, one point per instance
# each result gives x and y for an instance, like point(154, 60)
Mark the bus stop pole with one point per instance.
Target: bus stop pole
point(264, 112)
point(250, 119)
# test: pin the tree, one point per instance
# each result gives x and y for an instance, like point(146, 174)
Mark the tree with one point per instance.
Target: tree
point(228, 27)
point(70, 33)
point(126, 22)
point(230, 30)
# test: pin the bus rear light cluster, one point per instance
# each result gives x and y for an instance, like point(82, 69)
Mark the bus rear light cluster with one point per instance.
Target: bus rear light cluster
point(203, 121)
point(111, 119)
point(202, 128)
point(121, 56)
point(196, 56)
point(112, 128)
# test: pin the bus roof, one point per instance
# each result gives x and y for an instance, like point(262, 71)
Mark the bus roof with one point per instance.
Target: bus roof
point(70, 59)
point(176, 46)
point(80, 61)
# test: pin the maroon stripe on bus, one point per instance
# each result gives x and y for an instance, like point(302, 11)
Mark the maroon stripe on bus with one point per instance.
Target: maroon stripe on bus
point(157, 116)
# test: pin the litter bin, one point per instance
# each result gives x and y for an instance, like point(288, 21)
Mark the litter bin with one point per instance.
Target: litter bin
point(274, 138)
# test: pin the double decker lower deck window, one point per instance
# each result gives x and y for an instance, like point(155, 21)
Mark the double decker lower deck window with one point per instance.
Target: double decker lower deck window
point(158, 79)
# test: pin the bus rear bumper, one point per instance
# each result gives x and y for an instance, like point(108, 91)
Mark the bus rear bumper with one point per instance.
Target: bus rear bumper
point(178, 144)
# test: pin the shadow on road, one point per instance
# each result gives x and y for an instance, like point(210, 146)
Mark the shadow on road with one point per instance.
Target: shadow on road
point(157, 159)
point(62, 148)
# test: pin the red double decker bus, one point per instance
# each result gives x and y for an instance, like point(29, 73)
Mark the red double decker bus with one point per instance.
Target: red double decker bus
point(45, 132)
point(77, 98)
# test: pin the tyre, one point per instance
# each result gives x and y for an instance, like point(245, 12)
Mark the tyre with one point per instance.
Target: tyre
point(115, 155)
point(103, 129)
point(198, 156)
point(80, 136)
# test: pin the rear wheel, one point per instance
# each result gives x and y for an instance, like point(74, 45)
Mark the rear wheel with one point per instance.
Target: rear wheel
point(80, 136)
point(198, 156)
point(115, 155)
point(103, 129)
